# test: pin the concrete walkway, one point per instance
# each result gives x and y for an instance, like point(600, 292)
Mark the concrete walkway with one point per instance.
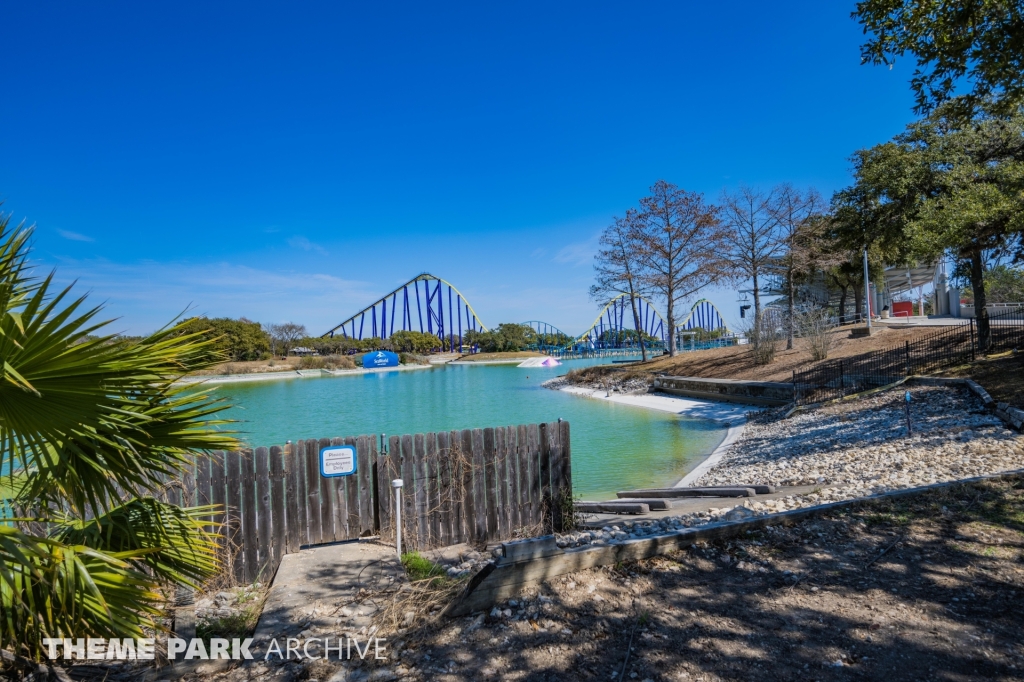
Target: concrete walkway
point(319, 591)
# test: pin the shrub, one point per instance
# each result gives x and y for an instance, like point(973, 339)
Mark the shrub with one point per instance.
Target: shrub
point(816, 325)
point(763, 335)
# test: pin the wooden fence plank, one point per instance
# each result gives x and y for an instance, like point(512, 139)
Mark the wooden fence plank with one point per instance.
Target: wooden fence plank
point(545, 475)
point(432, 468)
point(501, 481)
point(277, 509)
point(250, 538)
point(389, 471)
point(352, 493)
point(294, 499)
point(523, 461)
point(479, 488)
point(468, 503)
point(409, 537)
point(326, 487)
point(533, 462)
point(490, 485)
point(232, 473)
point(512, 479)
point(339, 497)
point(203, 481)
point(557, 510)
point(455, 460)
point(312, 467)
point(366, 447)
point(566, 456)
point(263, 512)
point(375, 484)
point(218, 497)
point(422, 503)
point(444, 488)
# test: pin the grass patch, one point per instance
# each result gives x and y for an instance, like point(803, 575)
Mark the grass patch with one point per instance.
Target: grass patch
point(419, 568)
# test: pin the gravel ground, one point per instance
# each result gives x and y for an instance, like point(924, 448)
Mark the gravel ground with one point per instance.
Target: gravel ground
point(925, 587)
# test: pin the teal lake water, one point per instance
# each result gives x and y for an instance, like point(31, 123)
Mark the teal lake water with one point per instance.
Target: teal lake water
point(614, 447)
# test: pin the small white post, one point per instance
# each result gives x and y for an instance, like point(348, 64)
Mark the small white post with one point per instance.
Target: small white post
point(396, 484)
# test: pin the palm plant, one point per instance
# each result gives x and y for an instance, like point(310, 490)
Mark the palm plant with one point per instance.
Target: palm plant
point(89, 427)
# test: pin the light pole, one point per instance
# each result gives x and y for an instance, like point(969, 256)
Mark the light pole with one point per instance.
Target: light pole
point(867, 289)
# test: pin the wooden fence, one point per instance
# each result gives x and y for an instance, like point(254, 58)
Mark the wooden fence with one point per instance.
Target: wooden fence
point(476, 486)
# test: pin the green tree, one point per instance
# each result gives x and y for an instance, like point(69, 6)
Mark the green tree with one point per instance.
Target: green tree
point(1003, 284)
point(88, 425)
point(978, 43)
point(239, 340)
point(507, 337)
point(943, 185)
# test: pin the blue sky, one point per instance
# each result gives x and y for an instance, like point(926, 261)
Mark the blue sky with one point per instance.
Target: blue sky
point(293, 161)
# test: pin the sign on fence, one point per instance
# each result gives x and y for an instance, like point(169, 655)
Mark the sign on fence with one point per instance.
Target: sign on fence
point(337, 461)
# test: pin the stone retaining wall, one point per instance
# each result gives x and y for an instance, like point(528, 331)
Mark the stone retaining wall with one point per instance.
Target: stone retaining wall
point(730, 390)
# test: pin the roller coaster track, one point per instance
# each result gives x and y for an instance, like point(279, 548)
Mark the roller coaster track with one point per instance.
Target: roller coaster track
point(617, 316)
point(432, 305)
point(703, 315)
point(427, 310)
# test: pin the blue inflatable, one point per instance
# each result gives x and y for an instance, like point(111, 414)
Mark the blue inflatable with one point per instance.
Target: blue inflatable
point(380, 358)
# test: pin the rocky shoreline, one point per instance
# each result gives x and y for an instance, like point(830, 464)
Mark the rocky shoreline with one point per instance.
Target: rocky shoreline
point(850, 449)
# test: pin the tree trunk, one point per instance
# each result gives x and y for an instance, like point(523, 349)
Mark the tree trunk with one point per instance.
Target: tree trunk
point(978, 288)
point(671, 319)
point(636, 325)
point(842, 305)
point(858, 302)
point(757, 299)
point(790, 304)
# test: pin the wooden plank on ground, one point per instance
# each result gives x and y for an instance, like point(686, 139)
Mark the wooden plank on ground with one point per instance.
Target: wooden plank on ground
point(312, 466)
point(433, 472)
point(294, 498)
point(233, 473)
point(326, 486)
point(490, 484)
point(365, 447)
point(277, 508)
point(444, 488)
point(264, 509)
point(409, 536)
point(479, 488)
point(612, 507)
point(689, 492)
point(250, 538)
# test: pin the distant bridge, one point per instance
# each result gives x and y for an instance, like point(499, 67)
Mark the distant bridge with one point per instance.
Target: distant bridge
point(433, 306)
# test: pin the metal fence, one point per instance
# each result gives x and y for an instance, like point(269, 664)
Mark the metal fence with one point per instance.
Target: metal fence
point(947, 347)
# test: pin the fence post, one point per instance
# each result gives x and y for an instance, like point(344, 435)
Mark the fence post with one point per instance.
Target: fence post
point(794, 386)
point(973, 341)
point(842, 379)
point(397, 485)
point(906, 353)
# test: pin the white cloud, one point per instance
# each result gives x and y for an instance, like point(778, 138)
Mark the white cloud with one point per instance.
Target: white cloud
point(299, 242)
point(578, 253)
point(74, 236)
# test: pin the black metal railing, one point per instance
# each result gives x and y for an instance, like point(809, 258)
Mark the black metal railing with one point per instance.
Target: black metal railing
point(948, 347)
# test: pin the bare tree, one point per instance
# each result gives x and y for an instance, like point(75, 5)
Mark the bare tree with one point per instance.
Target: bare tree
point(802, 228)
point(617, 266)
point(682, 246)
point(288, 333)
point(752, 236)
point(271, 330)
